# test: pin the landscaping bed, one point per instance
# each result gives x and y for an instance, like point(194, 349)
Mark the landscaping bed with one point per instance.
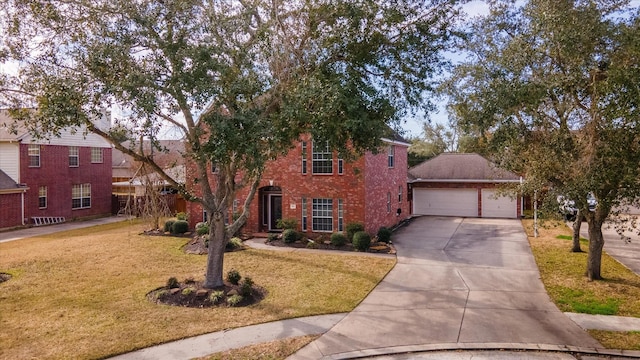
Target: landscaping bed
point(376, 247)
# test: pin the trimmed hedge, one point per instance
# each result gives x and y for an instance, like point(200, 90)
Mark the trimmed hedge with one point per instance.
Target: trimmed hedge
point(361, 241)
point(338, 239)
point(353, 228)
point(179, 227)
point(384, 234)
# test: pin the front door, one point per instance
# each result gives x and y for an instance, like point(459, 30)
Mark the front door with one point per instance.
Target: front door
point(275, 211)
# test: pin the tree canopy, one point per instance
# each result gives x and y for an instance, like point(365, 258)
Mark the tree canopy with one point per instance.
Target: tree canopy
point(552, 87)
point(239, 80)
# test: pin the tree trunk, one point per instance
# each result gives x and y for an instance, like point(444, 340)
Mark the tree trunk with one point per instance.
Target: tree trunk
point(577, 224)
point(215, 255)
point(596, 243)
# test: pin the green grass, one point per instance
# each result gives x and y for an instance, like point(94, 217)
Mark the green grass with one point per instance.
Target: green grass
point(563, 275)
point(82, 293)
point(570, 237)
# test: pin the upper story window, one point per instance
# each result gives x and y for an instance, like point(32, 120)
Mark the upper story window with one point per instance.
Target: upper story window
point(340, 166)
point(34, 155)
point(400, 193)
point(74, 156)
point(322, 157)
point(390, 158)
point(96, 155)
point(304, 157)
point(388, 202)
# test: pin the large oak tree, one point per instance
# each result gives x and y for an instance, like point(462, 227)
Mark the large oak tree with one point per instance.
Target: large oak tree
point(239, 80)
point(553, 86)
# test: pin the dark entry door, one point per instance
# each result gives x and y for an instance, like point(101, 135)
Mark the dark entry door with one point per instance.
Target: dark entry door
point(275, 211)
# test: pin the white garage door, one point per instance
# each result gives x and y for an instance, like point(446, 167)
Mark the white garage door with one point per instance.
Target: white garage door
point(445, 202)
point(498, 206)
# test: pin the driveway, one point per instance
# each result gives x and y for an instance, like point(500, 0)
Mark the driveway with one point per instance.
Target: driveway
point(458, 284)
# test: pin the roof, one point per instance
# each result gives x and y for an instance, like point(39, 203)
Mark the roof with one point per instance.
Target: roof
point(460, 167)
point(6, 182)
point(165, 159)
point(394, 137)
point(10, 130)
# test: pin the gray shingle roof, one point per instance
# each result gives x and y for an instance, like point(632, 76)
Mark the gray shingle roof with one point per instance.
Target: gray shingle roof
point(449, 167)
point(7, 182)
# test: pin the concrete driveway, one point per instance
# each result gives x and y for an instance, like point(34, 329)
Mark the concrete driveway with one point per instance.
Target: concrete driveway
point(458, 284)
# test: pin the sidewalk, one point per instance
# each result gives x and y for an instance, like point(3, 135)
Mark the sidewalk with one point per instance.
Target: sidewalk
point(12, 235)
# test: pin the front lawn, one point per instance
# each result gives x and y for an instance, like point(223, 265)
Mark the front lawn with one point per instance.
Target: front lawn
point(563, 275)
point(82, 293)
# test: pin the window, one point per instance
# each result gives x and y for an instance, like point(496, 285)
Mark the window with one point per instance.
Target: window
point(81, 196)
point(400, 193)
point(340, 166)
point(390, 160)
point(304, 214)
point(74, 158)
point(322, 157)
point(214, 168)
point(42, 197)
point(322, 215)
point(340, 215)
point(388, 202)
point(34, 155)
point(205, 216)
point(96, 155)
point(304, 157)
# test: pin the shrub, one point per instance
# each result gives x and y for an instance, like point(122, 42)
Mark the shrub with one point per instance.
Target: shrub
point(338, 239)
point(288, 223)
point(361, 241)
point(272, 237)
point(233, 276)
point(202, 228)
point(172, 283)
point(234, 300)
point(179, 227)
point(246, 287)
point(168, 225)
point(216, 296)
point(289, 236)
point(353, 228)
point(188, 291)
point(384, 234)
point(181, 216)
point(312, 244)
point(234, 243)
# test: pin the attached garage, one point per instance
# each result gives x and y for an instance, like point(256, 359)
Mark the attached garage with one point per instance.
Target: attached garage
point(446, 202)
point(464, 185)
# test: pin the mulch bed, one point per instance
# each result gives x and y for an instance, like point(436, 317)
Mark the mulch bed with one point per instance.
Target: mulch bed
point(199, 297)
point(4, 277)
point(376, 247)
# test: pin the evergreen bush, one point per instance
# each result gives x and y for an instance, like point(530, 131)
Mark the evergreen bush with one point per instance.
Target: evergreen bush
point(361, 241)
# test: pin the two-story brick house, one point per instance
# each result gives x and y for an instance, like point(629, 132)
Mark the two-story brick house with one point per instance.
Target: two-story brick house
point(324, 193)
point(61, 177)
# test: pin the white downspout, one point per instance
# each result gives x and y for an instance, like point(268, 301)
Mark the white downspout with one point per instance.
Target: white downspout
point(22, 205)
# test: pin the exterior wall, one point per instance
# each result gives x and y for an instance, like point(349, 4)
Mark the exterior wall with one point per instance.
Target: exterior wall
point(362, 187)
point(478, 186)
point(54, 173)
point(10, 210)
point(382, 180)
point(10, 160)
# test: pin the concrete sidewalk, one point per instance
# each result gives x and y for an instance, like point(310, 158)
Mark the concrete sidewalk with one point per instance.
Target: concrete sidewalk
point(13, 235)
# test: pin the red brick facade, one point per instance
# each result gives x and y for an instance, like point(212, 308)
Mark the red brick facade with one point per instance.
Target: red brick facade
point(10, 210)
point(55, 173)
point(352, 192)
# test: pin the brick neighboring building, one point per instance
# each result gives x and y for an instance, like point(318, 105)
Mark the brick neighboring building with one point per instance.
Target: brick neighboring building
point(62, 177)
point(324, 193)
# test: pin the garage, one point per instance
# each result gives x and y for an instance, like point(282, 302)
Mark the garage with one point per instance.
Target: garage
point(462, 184)
point(446, 202)
point(498, 206)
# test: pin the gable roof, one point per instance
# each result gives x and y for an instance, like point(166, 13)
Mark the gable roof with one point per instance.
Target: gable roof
point(6, 182)
point(460, 167)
